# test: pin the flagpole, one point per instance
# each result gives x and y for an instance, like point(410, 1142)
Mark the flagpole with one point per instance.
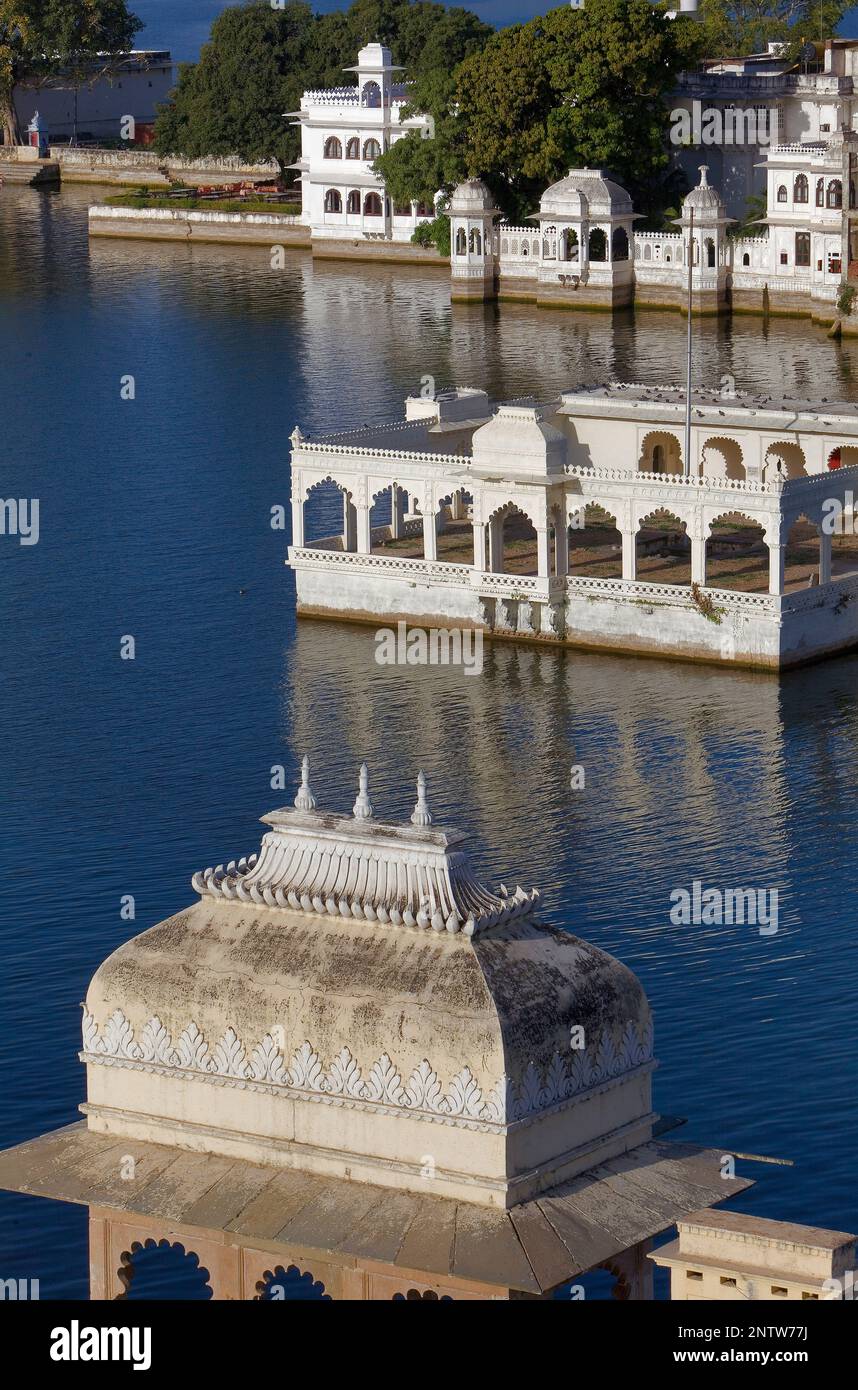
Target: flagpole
point(687, 469)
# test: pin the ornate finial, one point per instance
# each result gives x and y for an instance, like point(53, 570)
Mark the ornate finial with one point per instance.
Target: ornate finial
point(421, 815)
point(296, 437)
point(704, 175)
point(362, 807)
point(305, 800)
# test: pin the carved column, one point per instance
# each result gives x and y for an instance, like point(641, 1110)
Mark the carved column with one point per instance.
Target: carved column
point(698, 554)
point(430, 536)
point(496, 545)
point(629, 555)
point(297, 520)
point(349, 524)
point(479, 546)
point(561, 548)
point(364, 531)
point(396, 513)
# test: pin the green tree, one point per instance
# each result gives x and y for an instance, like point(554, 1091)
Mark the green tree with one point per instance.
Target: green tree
point(738, 27)
point(40, 39)
point(253, 69)
point(573, 88)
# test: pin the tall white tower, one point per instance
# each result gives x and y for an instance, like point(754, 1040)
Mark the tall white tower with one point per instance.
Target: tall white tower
point(473, 252)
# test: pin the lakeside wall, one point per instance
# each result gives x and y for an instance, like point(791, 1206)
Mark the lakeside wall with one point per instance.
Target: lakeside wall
point(136, 168)
point(169, 224)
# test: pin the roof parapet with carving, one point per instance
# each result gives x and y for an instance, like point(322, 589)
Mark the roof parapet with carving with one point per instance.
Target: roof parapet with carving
point(410, 875)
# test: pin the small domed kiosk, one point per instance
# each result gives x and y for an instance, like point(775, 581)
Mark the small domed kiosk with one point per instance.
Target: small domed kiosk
point(586, 222)
point(473, 255)
point(352, 1058)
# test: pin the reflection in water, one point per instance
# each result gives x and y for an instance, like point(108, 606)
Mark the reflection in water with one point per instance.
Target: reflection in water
point(155, 521)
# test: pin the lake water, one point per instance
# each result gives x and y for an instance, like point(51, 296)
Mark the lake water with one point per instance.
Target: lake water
point(123, 777)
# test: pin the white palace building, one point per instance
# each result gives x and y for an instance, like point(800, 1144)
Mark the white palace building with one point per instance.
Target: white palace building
point(343, 129)
point(578, 521)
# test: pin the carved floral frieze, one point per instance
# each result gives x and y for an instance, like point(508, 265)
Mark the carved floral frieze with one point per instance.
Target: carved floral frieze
point(380, 1086)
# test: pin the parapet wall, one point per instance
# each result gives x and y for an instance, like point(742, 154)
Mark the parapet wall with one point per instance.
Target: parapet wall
point(138, 167)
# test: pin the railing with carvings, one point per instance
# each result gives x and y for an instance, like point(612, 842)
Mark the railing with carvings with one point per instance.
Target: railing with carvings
point(308, 557)
point(677, 594)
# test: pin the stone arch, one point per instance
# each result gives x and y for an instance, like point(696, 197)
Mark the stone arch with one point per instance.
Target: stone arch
point(661, 452)
point(620, 244)
point(746, 259)
point(722, 458)
point(800, 189)
point(290, 1285)
point(353, 147)
point(353, 203)
point(598, 244)
point(475, 242)
point(834, 194)
point(595, 541)
point(333, 148)
point(461, 242)
point(709, 248)
point(843, 456)
point(737, 554)
point(162, 1269)
point(333, 200)
point(330, 516)
point(370, 94)
point(513, 541)
point(371, 149)
point(662, 547)
point(784, 459)
point(372, 205)
point(647, 254)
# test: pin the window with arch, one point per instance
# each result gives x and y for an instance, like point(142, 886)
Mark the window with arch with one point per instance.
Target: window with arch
point(353, 202)
point(353, 147)
point(461, 242)
point(372, 205)
point(658, 458)
point(620, 244)
point(709, 247)
point(802, 249)
point(333, 148)
point(598, 245)
point(782, 193)
point(647, 255)
point(425, 210)
point(820, 193)
point(371, 149)
point(333, 201)
point(746, 259)
point(475, 242)
point(800, 190)
point(371, 94)
point(834, 194)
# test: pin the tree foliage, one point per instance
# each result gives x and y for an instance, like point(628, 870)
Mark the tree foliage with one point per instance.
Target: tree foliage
point(732, 28)
point(259, 60)
point(39, 39)
point(574, 88)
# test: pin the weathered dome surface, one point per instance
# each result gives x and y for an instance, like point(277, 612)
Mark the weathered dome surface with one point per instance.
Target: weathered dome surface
point(248, 1028)
point(518, 439)
point(583, 193)
point(471, 196)
point(704, 199)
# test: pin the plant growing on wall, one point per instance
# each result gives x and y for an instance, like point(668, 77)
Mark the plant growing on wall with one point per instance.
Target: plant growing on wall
point(43, 39)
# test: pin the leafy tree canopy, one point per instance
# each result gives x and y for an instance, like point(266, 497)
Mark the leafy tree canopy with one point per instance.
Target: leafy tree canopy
point(41, 38)
point(731, 28)
point(259, 60)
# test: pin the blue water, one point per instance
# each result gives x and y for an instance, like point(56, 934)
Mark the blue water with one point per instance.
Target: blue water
point(184, 25)
point(123, 777)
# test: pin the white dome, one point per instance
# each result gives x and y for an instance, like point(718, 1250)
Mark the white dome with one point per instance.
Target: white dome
point(704, 199)
point(471, 197)
point(585, 192)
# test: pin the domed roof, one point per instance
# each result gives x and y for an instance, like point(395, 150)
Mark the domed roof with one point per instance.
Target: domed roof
point(471, 196)
point(705, 200)
point(585, 192)
point(354, 982)
point(518, 439)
